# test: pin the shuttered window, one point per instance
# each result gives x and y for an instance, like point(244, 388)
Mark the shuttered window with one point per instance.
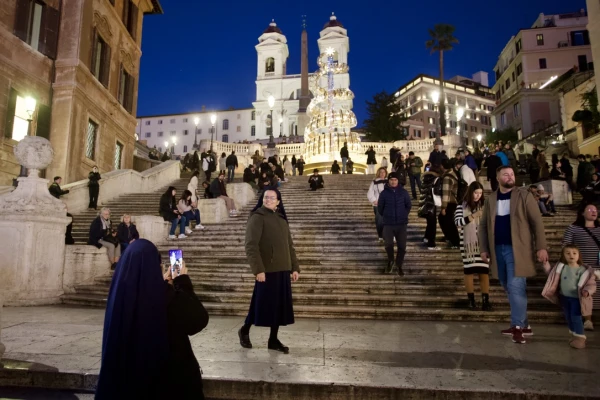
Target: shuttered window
point(118, 155)
point(126, 87)
point(100, 66)
point(37, 24)
point(130, 17)
point(90, 142)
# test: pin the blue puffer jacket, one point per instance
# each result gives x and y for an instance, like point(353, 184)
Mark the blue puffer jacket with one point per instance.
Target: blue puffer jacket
point(394, 205)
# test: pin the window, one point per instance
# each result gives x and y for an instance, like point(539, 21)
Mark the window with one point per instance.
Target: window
point(172, 120)
point(580, 38)
point(543, 63)
point(147, 122)
point(490, 108)
point(513, 76)
point(450, 110)
point(37, 25)
point(118, 155)
point(431, 120)
point(90, 142)
point(160, 121)
point(507, 83)
point(253, 130)
point(172, 133)
point(239, 116)
point(466, 127)
point(516, 109)
point(431, 134)
point(474, 129)
point(185, 132)
point(518, 46)
point(101, 60)
point(417, 133)
point(185, 120)
point(270, 65)
point(130, 17)
point(160, 134)
point(225, 124)
point(474, 116)
point(253, 115)
point(519, 69)
point(184, 148)
point(225, 138)
point(20, 113)
point(126, 86)
point(431, 107)
point(540, 39)
point(503, 119)
point(238, 129)
point(148, 134)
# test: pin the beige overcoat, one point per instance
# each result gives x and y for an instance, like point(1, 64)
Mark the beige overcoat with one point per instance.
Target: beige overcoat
point(526, 228)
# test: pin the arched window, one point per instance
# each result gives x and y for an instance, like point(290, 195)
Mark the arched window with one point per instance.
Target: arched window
point(225, 138)
point(225, 124)
point(253, 130)
point(270, 65)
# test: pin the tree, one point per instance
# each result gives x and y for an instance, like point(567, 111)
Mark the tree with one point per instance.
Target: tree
point(589, 116)
point(442, 39)
point(384, 120)
point(505, 135)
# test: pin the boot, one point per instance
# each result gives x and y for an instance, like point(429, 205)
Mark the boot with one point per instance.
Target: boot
point(578, 341)
point(390, 267)
point(485, 302)
point(472, 305)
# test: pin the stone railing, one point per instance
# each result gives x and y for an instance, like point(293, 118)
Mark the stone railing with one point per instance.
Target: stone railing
point(117, 183)
point(290, 149)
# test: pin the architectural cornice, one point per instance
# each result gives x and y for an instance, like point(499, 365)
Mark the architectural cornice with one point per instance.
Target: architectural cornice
point(102, 25)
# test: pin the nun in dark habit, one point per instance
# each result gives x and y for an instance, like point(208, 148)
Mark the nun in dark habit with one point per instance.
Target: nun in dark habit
point(280, 208)
point(146, 350)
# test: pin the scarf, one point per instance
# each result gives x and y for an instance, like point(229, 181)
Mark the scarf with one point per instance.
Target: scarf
point(105, 223)
point(470, 241)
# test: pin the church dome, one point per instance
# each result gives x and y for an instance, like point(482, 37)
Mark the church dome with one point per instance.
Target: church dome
point(333, 22)
point(272, 28)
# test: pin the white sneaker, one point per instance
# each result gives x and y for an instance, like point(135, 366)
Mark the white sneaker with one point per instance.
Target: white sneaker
point(588, 325)
point(434, 248)
point(425, 240)
point(188, 231)
point(172, 237)
point(199, 227)
point(182, 236)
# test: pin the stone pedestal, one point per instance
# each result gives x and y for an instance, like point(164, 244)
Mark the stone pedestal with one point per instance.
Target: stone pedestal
point(32, 227)
point(2, 347)
point(560, 191)
point(151, 227)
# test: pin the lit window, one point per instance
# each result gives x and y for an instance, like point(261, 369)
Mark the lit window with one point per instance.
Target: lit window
point(21, 117)
point(540, 39)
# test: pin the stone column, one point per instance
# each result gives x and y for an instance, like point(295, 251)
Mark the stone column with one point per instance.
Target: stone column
point(32, 227)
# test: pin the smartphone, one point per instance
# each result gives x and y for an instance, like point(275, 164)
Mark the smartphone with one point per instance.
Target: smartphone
point(176, 260)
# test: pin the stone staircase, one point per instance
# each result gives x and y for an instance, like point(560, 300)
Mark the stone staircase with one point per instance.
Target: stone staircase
point(341, 261)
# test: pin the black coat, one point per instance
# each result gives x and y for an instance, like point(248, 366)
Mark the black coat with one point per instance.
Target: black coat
point(318, 179)
point(56, 191)
point(186, 316)
point(492, 163)
point(264, 167)
point(335, 168)
point(293, 161)
point(96, 232)
point(566, 167)
point(126, 234)
point(94, 177)
point(394, 205)
point(168, 206)
point(344, 152)
point(371, 157)
point(436, 157)
point(231, 160)
point(249, 176)
point(300, 164)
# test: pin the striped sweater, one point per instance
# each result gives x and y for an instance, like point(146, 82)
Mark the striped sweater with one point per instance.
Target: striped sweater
point(588, 248)
point(473, 265)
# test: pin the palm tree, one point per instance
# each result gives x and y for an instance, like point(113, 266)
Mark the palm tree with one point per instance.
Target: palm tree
point(442, 39)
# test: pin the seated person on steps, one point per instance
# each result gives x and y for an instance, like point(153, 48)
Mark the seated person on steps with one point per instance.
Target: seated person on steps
point(103, 235)
point(316, 181)
point(218, 190)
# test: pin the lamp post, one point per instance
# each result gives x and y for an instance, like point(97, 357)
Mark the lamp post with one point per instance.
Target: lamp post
point(460, 112)
point(479, 137)
point(271, 101)
point(174, 140)
point(213, 121)
point(196, 122)
point(435, 97)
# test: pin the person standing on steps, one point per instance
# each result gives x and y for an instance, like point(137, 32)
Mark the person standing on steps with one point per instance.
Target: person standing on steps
point(467, 217)
point(231, 163)
point(449, 203)
point(436, 157)
point(377, 186)
point(585, 234)
point(511, 230)
point(193, 186)
point(272, 258)
point(371, 161)
point(316, 181)
point(414, 165)
point(300, 165)
point(294, 165)
point(431, 201)
point(287, 166)
point(206, 168)
point(394, 206)
point(492, 163)
point(350, 166)
point(94, 187)
point(345, 155)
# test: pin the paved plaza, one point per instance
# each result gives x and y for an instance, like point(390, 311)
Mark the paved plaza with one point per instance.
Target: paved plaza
point(393, 355)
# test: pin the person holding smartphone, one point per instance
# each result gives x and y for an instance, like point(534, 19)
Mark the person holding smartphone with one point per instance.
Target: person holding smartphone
point(150, 356)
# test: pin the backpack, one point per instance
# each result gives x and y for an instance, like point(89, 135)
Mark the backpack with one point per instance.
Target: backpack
point(463, 186)
point(437, 186)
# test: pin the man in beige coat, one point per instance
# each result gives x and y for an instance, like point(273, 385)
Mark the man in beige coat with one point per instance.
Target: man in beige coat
point(511, 237)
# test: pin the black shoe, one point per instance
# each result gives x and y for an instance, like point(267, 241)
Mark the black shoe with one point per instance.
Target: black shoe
point(472, 305)
point(390, 267)
point(244, 340)
point(278, 346)
point(485, 302)
point(399, 271)
point(113, 266)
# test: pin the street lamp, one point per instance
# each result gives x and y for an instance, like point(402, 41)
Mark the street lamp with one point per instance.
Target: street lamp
point(174, 140)
point(30, 104)
point(213, 120)
point(196, 122)
point(271, 101)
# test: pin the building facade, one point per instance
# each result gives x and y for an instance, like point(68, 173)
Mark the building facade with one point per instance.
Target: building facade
point(593, 8)
point(70, 74)
point(178, 133)
point(469, 106)
point(532, 60)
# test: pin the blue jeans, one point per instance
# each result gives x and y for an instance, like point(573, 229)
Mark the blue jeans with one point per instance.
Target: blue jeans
point(192, 215)
point(572, 309)
point(344, 161)
point(123, 247)
point(415, 180)
point(181, 221)
point(230, 173)
point(515, 287)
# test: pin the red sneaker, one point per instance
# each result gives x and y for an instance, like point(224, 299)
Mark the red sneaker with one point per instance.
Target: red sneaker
point(517, 336)
point(526, 331)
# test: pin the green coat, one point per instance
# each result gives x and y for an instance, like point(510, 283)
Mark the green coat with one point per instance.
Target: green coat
point(415, 169)
point(269, 245)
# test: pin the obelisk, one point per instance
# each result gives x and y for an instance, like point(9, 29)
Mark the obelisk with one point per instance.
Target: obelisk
point(304, 92)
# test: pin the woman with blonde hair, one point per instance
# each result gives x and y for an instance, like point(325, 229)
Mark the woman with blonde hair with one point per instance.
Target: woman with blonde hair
point(377, 186)
point(127, 233)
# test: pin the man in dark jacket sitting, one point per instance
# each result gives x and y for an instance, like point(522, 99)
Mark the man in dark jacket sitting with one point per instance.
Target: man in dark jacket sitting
point(316, 181)
point(55, 189)
point(394, 206)
point(250, 176)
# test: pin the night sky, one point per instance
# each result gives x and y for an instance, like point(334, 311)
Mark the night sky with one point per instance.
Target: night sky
point(202, 53)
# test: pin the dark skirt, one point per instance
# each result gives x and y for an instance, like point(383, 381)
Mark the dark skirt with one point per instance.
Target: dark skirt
point(271, 303)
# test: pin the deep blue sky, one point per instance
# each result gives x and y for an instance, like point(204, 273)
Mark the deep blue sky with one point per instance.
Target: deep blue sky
point(202, 53)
